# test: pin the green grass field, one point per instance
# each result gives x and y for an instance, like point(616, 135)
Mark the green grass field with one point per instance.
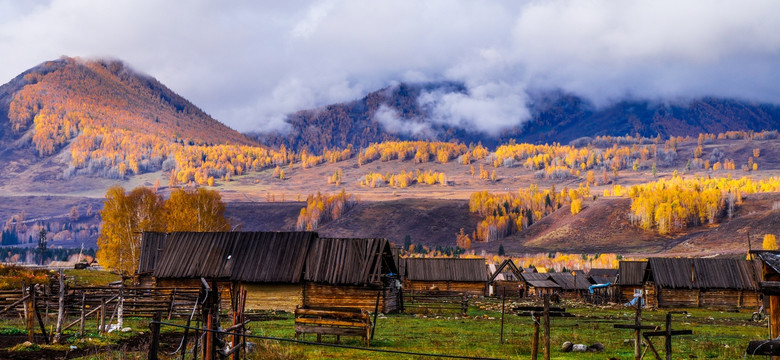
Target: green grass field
point(716, 335)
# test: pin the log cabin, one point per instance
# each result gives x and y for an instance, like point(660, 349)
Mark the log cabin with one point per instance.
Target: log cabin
point(539, 284)
point(770, 288)
point(506, 279)
point(468, 276)
point(701, 282)
point(573, 284)
point(279, 270)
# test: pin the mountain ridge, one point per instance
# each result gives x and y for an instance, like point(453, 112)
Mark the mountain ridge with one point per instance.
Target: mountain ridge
point(556, 117)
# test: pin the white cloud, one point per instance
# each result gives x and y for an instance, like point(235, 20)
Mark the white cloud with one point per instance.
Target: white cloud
point(393, 123)
point(249, 63)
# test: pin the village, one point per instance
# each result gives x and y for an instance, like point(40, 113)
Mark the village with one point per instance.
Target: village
point(217, 295)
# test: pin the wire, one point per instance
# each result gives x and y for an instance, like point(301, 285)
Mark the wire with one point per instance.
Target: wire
point(304, 342)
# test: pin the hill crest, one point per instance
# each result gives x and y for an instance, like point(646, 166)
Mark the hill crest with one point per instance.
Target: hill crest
point(555, 117)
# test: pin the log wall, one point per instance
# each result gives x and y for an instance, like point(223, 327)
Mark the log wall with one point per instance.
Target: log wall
point(513, 288)
point(361, 297)
point(472, 288)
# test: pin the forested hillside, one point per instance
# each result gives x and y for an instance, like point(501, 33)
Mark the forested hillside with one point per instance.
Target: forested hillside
point(556, 117)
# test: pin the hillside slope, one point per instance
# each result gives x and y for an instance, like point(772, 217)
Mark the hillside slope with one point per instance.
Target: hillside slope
point(556, 117)
point(100, 118)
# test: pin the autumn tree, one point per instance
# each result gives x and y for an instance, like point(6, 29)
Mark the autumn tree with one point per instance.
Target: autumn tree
point(74, 213)
point(196, 210)
point(125, 216)
point(770, 242)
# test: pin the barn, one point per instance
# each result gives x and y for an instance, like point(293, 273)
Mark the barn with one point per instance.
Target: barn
point(446, 274)
point(276, 268)
point(700, 282)
point(630, 278)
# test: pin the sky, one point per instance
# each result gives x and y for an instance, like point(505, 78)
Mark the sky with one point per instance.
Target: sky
point(249, 63)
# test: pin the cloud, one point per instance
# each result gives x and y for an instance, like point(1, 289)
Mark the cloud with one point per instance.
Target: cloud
point(250, 63)
point(393, 123)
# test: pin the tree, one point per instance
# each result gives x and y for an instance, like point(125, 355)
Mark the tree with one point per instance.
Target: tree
point(74, 213)
point(770, 242)
point(463, 240)
point(501, 251)
point(198, 210)
point(576, 206)
point(124, 217)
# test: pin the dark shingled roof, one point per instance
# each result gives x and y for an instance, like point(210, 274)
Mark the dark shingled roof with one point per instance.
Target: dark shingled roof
point(771, 259)
point(543, 284)
point(449, 269)
point(238, 256)
point(528, 276)
point(152, 244)
point(698, 273)
point(603, 272)
point(567, 281)
point(349, 261)
point(631, 272)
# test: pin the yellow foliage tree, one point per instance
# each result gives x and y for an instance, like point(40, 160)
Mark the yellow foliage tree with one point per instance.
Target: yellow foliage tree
point(124, 217)
point(770, 242)
point(198, 210)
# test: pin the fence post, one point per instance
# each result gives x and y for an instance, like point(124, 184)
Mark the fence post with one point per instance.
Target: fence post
point(28, 316)
point(121, 305)
point(61, 309)
point(154, 326)
point(546, 327)
point(102, 315)
point(83, 300)
point(535, 341)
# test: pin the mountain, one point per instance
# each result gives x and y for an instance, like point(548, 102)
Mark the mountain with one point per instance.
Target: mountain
point(100, 118)
point(65, 96)
point(555, 117)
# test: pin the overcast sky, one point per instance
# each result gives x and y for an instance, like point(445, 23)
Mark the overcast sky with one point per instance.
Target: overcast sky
point(248, 63)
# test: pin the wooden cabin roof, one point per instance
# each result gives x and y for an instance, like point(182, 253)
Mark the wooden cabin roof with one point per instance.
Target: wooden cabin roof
point(631, 272)
point(603, 272)
point(506, 271)
point(567, 281)
point(543, 284)
point(702, 273)
point(535, 276)
point(771, 259)
point(602, 276)
point(446, 269)
point(240, 256)
point(152, 245)
point(349, 261)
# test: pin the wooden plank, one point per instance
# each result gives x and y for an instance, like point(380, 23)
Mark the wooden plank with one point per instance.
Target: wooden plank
point(664, 333)
point(330, 322)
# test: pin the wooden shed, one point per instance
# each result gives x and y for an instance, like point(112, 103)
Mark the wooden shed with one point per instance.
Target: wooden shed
point(701, 282)
point(506, 279)
point(573, 286)
point(446, 274)
point(274, 267)
point(539, 284)
point(770, 288)
point(630, 278)
point(352, 273)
